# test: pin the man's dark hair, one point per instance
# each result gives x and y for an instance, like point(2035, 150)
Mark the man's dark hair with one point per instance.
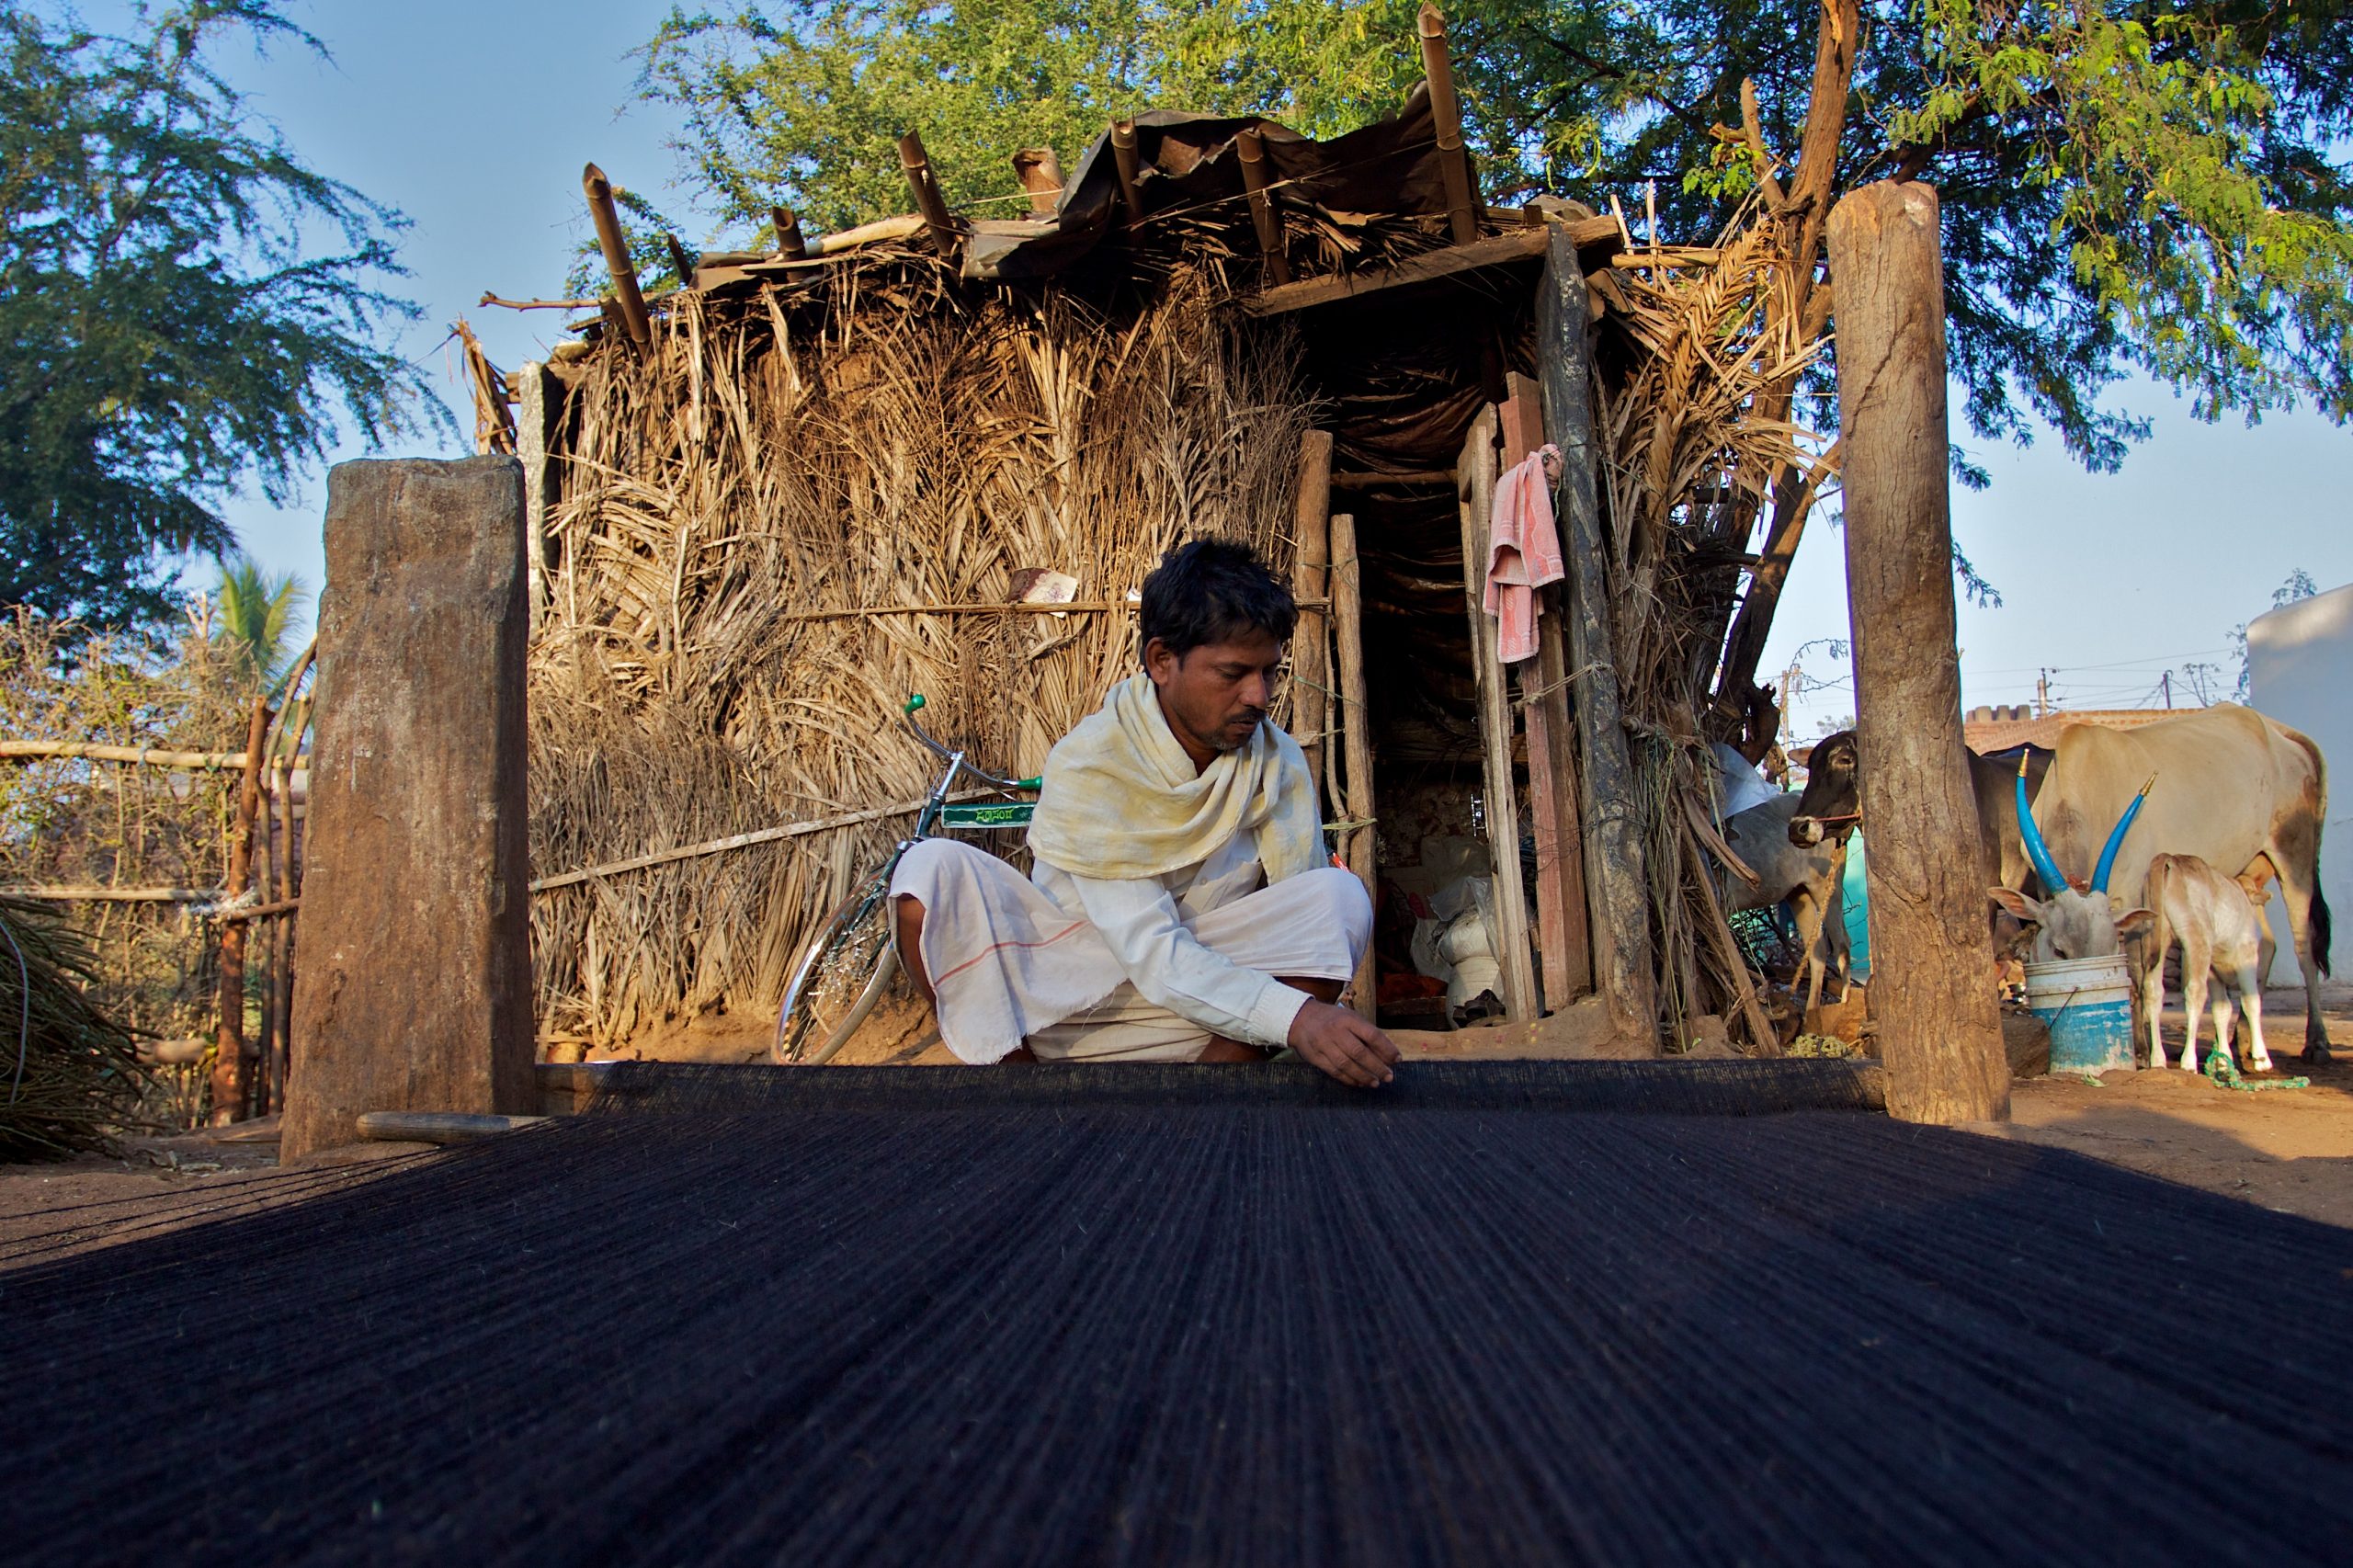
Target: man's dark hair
point(1211, 591)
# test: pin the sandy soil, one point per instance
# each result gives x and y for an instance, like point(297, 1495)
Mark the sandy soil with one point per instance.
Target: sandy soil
point(160, 1184)
point(2288, 1150)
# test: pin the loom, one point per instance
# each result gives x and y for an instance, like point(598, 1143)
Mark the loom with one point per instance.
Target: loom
point(1503, 1312)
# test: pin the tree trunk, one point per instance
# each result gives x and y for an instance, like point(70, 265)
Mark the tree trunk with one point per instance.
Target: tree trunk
point(1941, 1031)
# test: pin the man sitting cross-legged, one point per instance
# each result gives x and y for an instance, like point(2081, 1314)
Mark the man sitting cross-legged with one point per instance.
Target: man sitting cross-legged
point(1182, 909)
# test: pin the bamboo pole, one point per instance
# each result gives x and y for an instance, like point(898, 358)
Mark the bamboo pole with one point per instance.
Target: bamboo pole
point(1446, 115)
point(1251, 147)
point(1041, 173)
point(1939, 1029)
point(99, 892)
point(916, 163)
point(638, 326)
point(1310, 584)
point(790, 243)
point(34, 751)
point(1478, 497)
point(230, 1081)
point(1129, 160)
point(1356, 728)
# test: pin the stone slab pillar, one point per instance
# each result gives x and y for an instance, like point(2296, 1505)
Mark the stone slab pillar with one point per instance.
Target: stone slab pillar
point(415, 987)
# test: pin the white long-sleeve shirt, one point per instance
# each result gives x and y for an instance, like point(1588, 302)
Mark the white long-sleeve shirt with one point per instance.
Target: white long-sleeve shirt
point(1146, 923)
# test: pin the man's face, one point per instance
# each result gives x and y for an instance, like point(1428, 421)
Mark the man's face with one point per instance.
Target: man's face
point(1217, 695)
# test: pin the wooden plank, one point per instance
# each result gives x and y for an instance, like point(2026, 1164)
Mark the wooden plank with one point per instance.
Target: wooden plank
point(1563, 944)
point(1939, 1030)
point(1520, 245)
point(1355, 729)
point(1429, 478)
point(1617, 903)
point(1310, 676)
point(1478, 499)
point(231, 1081)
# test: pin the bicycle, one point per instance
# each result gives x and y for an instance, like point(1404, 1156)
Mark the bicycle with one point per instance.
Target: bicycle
point(852, 959)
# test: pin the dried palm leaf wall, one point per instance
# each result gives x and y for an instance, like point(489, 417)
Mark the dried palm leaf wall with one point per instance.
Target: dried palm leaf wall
point(1700, 335)
point(768, 531)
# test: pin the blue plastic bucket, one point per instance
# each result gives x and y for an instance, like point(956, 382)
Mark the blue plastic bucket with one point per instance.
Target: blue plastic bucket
point(2087, 1002)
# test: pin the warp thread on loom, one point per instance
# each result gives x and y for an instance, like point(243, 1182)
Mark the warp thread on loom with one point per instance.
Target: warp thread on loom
point(1236, 1327)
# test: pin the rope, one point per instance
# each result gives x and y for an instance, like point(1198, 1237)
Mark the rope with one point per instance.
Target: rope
point(2225, 1073)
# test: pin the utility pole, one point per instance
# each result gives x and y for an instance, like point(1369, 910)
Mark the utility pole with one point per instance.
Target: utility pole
point(2166, 681)
point(2042, 695)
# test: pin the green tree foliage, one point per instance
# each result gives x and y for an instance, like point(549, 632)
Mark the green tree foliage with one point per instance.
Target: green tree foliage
point(2154, 185)
point(253, 621)
point(184, 305)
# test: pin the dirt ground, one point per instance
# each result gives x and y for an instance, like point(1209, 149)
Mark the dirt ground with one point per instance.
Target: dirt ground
point(2287, 1150)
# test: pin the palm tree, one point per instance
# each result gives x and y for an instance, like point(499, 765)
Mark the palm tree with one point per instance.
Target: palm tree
point(257, 613)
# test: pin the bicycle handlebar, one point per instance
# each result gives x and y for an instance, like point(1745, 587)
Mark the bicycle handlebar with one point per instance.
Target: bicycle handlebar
point(956, 758)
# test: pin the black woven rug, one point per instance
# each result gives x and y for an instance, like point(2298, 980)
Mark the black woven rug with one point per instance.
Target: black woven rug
point(1457, 1324)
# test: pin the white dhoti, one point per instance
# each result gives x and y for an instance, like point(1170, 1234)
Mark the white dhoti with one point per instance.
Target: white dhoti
point(1009, 964)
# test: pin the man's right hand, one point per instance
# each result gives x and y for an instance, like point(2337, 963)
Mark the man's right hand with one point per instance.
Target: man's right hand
point(1341, 1043)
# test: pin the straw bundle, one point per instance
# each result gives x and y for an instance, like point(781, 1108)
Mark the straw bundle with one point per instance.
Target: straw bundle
point(1688, 462)
point(769, 532)
point(69, 1076)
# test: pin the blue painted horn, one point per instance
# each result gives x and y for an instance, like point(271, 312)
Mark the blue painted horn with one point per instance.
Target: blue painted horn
point(2116, 839)
point(2036, 850)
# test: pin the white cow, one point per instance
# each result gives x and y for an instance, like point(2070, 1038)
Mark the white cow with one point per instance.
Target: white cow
point(2232, 786)
point(2214, 918)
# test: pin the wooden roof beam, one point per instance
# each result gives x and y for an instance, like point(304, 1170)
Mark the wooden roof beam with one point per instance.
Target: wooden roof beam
point(1522, 244)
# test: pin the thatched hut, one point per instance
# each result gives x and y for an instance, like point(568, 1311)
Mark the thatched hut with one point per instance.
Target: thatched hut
point(772, 503)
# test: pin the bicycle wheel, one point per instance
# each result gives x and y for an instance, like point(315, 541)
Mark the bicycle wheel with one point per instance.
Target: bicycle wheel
point(847, 966)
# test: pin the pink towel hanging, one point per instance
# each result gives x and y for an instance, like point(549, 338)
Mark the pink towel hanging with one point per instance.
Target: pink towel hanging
point(1523, 554)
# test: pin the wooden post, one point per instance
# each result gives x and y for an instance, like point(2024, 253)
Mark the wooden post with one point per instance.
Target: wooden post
point(1128, 159)
point(1251, 147)
point(637, 325)
point(1475, 476)
point(534, 412)
point(1356, 730)
point(1618, 899)
point(790, 243)
point(1311, 677)
point(416, 990)
point(231, 1082)
point(1446, 115)
point(1939, 1030)
point(281, 800)
point(916, 165)
point(1041, 173)
point(1563, 946)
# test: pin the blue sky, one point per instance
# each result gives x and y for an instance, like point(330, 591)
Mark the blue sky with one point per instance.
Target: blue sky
point(474, 119)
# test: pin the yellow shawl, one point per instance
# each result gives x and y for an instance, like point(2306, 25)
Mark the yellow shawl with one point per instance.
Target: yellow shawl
point(1121, 799)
